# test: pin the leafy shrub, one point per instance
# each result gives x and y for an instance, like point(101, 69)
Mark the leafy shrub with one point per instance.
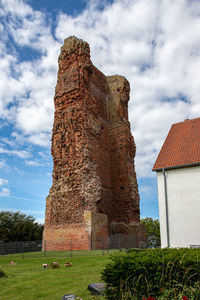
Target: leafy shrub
point(151, 272)
point(135, 250)
point(2, 273)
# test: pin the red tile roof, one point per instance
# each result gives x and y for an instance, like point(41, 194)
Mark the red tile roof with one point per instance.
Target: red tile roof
point(181, 147)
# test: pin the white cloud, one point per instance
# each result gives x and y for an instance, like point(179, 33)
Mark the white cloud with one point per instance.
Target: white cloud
point(155, 44)
point(19, 153)
point(42, 139)
point(20, 172)
point(19, 7)
point(146, 189)
point(2, 164)
point(30, 118)
point(3, 181)
point(49, 175)
point(17, 138)
point(39, 220)
point(28, 85)
point(22, 198)
point(4, 192)
point(32, 163)
point(8, 141)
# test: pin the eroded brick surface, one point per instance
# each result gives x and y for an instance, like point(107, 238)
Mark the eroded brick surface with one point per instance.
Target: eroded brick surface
point(92, 146)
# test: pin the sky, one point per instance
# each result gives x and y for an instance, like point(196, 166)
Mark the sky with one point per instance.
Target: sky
point(155, 44)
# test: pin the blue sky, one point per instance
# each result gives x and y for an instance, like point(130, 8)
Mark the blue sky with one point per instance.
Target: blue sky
point(154, 43)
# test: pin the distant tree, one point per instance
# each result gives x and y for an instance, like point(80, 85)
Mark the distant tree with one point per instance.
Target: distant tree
point(15, 226)
point(152, 227)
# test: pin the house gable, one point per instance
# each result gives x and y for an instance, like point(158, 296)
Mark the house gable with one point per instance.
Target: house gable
point(181, 147)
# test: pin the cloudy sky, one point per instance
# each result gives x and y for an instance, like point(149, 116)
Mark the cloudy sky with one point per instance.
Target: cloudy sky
point(154, 43)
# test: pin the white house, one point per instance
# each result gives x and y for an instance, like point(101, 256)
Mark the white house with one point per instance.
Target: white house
point(178, 178)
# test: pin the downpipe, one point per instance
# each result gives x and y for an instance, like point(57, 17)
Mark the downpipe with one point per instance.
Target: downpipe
point(166, 207)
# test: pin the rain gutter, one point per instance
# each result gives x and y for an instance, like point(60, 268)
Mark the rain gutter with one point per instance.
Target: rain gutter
point(178, 166)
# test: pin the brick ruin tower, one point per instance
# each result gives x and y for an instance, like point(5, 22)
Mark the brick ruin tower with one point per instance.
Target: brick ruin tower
point(94, 193)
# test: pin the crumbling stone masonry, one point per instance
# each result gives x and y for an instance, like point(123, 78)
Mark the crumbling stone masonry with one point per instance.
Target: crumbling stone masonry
point(94, 191)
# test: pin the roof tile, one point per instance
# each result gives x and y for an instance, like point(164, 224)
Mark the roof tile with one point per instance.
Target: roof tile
point(181, 147)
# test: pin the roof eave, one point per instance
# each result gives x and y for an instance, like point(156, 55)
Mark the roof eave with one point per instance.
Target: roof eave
point(178, 166)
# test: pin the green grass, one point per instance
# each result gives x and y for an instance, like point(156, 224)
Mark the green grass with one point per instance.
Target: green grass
point(28, 280)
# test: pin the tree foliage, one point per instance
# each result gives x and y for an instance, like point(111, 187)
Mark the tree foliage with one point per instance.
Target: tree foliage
point(15, 226)
point(152, 227)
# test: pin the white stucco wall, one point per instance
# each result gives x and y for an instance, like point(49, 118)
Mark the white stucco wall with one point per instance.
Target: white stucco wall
point(183, 189)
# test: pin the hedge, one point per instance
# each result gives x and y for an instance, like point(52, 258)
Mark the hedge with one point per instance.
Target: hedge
point(151, 272)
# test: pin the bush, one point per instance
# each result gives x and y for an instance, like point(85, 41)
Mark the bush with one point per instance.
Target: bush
point(2, 273)
point(151, 272)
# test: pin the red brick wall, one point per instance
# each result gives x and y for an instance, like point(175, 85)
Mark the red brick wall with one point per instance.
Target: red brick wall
point(92, 147)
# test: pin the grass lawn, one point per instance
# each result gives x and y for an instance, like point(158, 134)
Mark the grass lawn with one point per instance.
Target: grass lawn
point(28, 280)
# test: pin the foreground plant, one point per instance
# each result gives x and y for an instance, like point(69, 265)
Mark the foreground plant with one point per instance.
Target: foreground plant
point(163, 274)
point(153, 298)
